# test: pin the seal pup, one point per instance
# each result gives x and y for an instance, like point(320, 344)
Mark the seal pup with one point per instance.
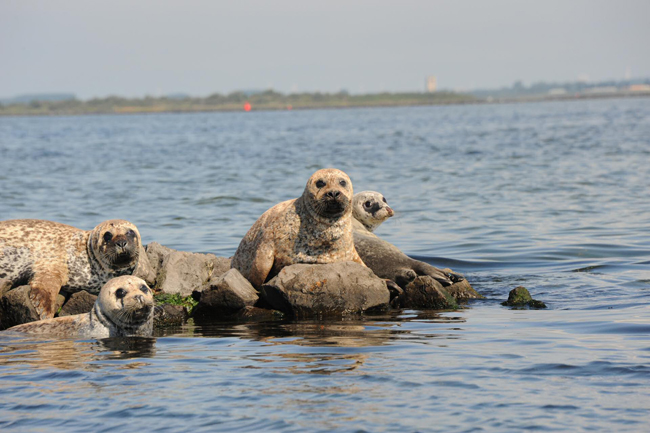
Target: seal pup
point(124, 308)
point(370, 209)
point(313, 228)
point(50, 256)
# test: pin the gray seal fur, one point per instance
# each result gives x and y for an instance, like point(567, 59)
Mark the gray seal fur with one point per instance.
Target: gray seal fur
point(370, 209)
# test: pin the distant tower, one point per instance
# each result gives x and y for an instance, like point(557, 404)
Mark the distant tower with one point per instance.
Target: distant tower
point(431, 84)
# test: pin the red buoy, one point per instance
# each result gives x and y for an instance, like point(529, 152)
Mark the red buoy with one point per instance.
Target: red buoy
point(247, 106)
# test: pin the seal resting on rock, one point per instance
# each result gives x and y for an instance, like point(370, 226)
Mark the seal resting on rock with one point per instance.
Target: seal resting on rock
point(370, 209)
point(124, 308)
point(50, 256)
point(314, 228)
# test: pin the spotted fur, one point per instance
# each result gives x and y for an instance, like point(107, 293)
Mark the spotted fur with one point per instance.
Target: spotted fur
point(314, 228)
point(50, 256)
point(115, 314)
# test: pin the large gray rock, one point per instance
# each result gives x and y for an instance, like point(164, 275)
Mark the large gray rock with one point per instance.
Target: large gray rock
point(304, 290)
point(182, 272)
point(426, 292)
point(78, 303)
point(227, 294)
point(16, 308)
point(144, 269)
point(156, 255)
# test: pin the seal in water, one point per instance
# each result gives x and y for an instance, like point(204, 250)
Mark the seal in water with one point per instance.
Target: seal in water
point(370, 209)
point(124, 308)
point(50, 256)
point(314, 228)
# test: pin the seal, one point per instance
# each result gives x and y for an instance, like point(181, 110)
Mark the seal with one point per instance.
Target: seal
point(124, 308)
point(370, 209)
point(50, 256)
point(313, 228)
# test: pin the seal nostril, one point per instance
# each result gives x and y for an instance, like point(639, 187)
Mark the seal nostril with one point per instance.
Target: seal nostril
point(334, 194)
point(121, 243)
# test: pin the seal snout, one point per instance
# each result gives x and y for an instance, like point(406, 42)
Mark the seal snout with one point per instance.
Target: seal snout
point(334, 194)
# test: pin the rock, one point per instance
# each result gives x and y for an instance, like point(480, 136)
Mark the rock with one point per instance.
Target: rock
point(462, 291)
point(156, 255)
point(425, 292)
point(78, 303)
point(144, 269)
point(325, 289)
point(16, 308)
point(169, 315)
point(182, 272)
point(226, 294)
point(257, 314)
point(5, 286)
point(520, 297)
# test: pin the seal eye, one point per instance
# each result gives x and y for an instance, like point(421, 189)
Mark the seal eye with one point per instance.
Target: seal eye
point(108, 236)
point(367, 204)
point(144, 289)
point(384, 200)
point(130, 233)
point(320, 184)
point(120, 293)
point(343, 183)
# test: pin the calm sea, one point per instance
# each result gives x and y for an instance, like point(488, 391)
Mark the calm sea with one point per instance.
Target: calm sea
point(552, 196)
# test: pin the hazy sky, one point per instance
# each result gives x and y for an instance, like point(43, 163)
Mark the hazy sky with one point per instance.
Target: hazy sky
point(133, 48)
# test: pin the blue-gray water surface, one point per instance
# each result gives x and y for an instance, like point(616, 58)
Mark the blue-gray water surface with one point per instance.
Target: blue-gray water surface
point(552, 196)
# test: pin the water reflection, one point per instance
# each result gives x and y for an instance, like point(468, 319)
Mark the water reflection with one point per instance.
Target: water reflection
point(66, 354)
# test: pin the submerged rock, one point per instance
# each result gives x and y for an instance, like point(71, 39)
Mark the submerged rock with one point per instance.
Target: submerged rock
point(78, 303)
point(304, 290)
point(226, 294)
point(169, 315)
point(426, 292)
point(520, 297)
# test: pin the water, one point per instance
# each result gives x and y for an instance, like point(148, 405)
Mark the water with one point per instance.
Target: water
point(552, 196)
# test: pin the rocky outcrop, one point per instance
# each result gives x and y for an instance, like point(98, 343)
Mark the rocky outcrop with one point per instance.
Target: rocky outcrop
point(425, 292)
point(226, 294)
point(304, 290)
point(16, 308)
point(183, 272)
point(78, 303)
point(144, 269)
point(169, 315)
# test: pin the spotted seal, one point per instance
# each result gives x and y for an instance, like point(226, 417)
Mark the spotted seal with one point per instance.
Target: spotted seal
point(370, 209)
point(50, 256)
point(314, 228)
point(124, 308)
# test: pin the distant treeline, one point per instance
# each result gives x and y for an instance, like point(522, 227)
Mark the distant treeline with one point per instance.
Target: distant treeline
point(518, 89)
point(268, 100)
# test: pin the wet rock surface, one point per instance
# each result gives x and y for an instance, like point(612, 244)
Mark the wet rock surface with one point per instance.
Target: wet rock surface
point(169, 315)
point(16, 308)
point(304, 290)
point(424, 292)
point(520, 297)
point(5, 286)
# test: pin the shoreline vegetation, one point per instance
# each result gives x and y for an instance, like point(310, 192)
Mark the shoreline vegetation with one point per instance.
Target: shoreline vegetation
point(270, 100)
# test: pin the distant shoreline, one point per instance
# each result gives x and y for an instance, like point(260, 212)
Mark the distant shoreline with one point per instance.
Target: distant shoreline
point(271, 101)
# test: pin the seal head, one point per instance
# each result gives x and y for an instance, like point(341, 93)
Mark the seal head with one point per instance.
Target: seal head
point(328, 195)
point(371, 209)
point(116, 245)
point(125, 306)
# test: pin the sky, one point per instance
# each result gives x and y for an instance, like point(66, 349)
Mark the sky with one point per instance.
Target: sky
point(157, 47)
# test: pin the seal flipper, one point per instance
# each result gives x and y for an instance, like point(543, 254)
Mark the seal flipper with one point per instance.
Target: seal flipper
point(44, 289)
